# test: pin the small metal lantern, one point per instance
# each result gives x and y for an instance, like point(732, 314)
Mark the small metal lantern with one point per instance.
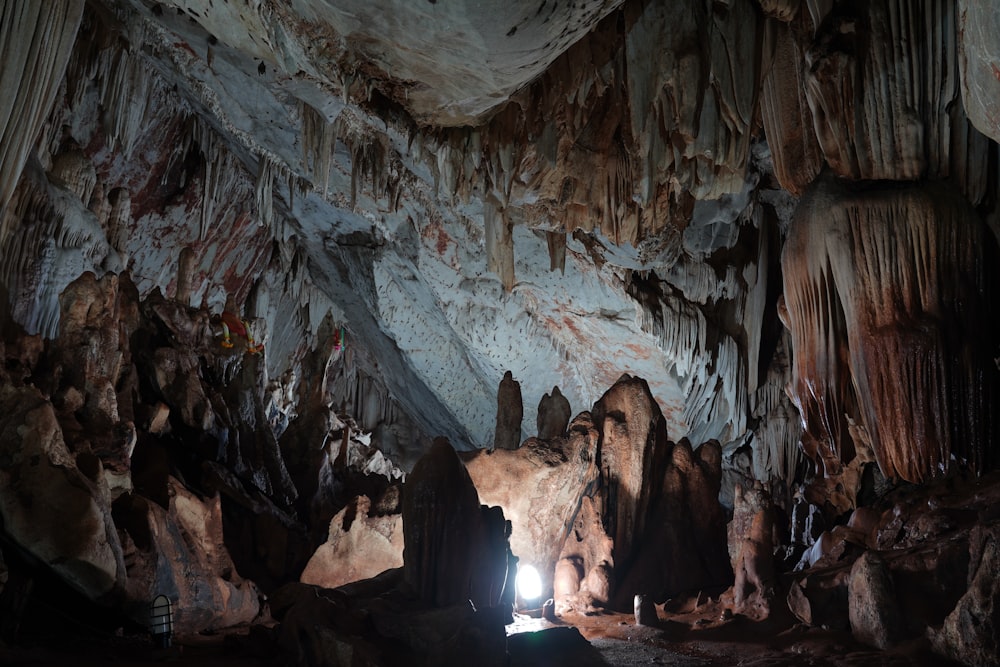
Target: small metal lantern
point(161, 621)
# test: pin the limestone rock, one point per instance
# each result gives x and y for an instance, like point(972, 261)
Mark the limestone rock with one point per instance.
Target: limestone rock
point(539, 487)
point(978, 25)
point(751, 548)
point(633, 444)
point(872, 606)
point(25, 108)
point(876, 113)
point(553, 415)
point(510, 411)
point(785, 111)
point(684, 547)
point(48, 506)
point(452, 553)
point(180, 553)
point(970, 632)
point(359, 546)
point(894, 327)
point(584, 577)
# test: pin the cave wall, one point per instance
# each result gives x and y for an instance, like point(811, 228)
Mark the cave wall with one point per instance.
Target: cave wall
point(635, 199)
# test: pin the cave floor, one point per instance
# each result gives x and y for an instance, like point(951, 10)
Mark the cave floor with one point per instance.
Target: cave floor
point(698, 638)
point(701, 638)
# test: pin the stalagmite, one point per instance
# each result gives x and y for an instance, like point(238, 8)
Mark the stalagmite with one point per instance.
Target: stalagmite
point(510, 411)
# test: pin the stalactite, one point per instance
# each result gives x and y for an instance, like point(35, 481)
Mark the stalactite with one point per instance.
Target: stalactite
point(316, 138)
point(785, 111)
point(499, 244)
point(127, 91)
point(266, 168)
point(893, 298)
point(883, 85)
point(36, 39)
point(52, 238)
point(221, 172)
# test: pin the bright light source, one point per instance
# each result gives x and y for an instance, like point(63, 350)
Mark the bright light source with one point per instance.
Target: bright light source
point(528, 583)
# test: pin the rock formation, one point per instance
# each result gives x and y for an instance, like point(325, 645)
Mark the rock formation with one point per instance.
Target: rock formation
point(510, 411)
point(256, 257)
point(554, 413)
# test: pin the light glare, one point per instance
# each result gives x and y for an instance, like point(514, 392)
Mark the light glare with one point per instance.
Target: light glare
point(528, 583)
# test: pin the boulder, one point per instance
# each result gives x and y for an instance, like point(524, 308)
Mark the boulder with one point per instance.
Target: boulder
point(872, 607)
point(971, 632)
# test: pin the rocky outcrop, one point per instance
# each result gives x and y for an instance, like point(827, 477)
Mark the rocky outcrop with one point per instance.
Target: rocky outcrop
point(510, 412)
point(360, 545)
point(683, 549)
point(50, 506)
point(633, 444)
point(874, 310)
point(540, 487)
point(179, 552)
point(455, 550)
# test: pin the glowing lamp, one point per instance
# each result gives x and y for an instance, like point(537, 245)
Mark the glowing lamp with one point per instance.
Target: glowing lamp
point(528, 583)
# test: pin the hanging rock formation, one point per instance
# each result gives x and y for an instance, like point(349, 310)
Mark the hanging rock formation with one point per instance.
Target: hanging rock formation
point(891, 300)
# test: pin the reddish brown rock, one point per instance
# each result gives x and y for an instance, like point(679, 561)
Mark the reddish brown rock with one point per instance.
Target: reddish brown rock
point(539, 487)
point(871, 313)
point(510, 412)
point(633, 443)
point(359, 546)
point(882, 112)
point(553, 415)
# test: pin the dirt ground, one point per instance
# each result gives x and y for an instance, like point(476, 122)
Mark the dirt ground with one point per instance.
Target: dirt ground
point(701, 638)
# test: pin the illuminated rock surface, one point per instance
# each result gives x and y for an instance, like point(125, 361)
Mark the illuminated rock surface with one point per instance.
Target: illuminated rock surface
point(255, 257)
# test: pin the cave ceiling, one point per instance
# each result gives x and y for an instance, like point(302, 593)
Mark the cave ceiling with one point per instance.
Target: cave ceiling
point(568, 191)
